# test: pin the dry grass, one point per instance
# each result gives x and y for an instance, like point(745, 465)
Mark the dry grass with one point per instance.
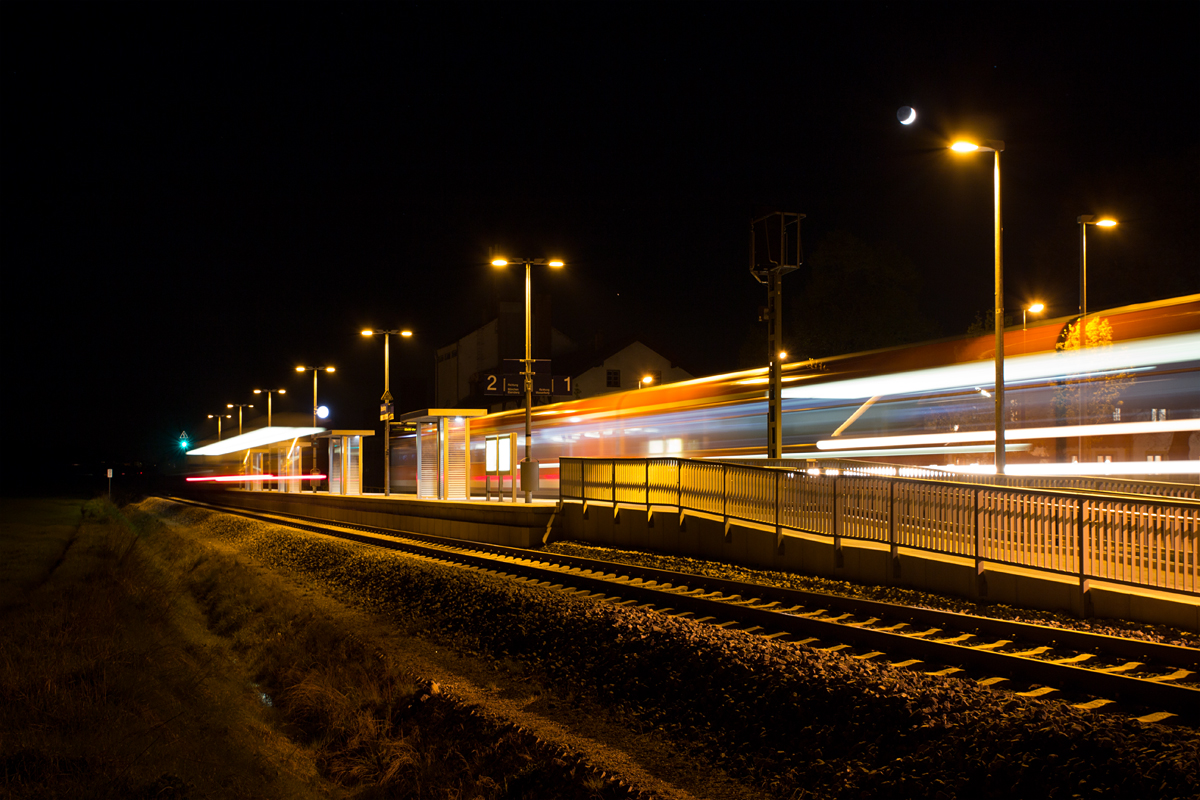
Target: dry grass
point(153, 664)
point(112, 687)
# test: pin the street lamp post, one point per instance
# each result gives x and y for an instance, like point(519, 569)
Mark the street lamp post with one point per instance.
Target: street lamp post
point(1036, 308)
point(314, 371)
point(996, 147)
point(1084, 220)
point(239, 407)
point(269, 393)
point(529, 475)
point(387, 400)
point(218, 418)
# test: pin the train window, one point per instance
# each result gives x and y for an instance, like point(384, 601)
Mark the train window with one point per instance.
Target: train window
point(674, 445)
point(613, 379)
point(656, 447)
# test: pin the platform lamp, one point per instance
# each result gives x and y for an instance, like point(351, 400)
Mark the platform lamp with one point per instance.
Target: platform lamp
point(529, 467)
point(270, 392)
point(239, 407)
point(997, 147)
point(386, 410)
point(1084, 220)
point(218, 418)
point(315, 371)
point(645, 381)
point(1036, 308)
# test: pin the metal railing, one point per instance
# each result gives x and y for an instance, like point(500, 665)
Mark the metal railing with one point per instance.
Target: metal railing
point(1071, 482)
point(1142, 541)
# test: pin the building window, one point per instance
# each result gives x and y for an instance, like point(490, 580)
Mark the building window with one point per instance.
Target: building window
point(1116, 415)
point(613, 380)
point(1154, 458)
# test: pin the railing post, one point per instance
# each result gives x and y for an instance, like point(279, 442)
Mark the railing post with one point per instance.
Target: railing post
point(778, 529)
point(1082, 538)
point(649, 512)
point(839, 558)
point(679, 491)
point(980, 580)
point(725, 497)
point(679, 484)
point(895, 549)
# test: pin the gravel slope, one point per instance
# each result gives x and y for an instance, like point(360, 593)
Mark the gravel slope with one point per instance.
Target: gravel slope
point(794, 721)
point(888, 594)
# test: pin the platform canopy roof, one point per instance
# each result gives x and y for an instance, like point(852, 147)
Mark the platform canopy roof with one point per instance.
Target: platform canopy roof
point(332, 434)
point(434, 414)
point(255, 438)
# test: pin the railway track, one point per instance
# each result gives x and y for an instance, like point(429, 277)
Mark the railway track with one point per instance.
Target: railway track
point(1150, 681)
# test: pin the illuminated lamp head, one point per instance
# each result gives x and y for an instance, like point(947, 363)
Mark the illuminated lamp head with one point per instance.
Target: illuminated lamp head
point(322, 412)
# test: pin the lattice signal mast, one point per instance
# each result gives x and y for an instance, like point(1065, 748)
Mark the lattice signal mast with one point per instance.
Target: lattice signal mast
point(774, 252)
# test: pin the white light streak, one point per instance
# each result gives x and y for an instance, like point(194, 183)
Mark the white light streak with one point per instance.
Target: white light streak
point(256, 438)
point(1124, 357)
point(1012, 434)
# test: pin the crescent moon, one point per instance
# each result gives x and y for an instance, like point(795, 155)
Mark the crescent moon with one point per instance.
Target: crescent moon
point(912, 115)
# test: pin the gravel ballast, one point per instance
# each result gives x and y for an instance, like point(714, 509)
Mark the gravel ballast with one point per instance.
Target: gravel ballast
point(789, 719)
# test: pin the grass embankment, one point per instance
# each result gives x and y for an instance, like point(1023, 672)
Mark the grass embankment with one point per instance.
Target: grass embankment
point(787, 718)
point(131, 664)
point(110, 682)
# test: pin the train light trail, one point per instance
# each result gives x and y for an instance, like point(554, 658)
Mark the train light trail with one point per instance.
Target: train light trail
point(1013, 434)
point(257, 438)
point(1089, 468)
point(255, 478)
point(1125, 357)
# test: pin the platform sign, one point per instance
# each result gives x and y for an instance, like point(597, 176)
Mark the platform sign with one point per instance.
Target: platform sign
point(385, 412)
point(503, 385)
point(513, 385)
point(560, 386)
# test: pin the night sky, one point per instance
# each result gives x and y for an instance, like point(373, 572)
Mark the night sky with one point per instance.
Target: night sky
point(198, 197)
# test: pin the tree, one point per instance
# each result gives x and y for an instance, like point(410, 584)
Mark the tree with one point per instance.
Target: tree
point(1101, 396)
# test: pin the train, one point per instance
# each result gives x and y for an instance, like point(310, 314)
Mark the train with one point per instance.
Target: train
point(1129, 403)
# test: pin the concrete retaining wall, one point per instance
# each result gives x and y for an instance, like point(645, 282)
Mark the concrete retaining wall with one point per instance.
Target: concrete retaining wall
point(707, 536)
point(511, 524)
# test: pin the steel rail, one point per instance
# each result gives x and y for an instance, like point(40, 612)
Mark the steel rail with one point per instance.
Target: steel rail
point(763, 607)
